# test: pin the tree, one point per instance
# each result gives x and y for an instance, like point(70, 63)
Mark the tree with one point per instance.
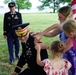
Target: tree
point(20, 4)
point(54, 4)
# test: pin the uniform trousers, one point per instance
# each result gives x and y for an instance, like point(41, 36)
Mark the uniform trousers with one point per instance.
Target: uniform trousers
point(32, 72)
point(13, 43)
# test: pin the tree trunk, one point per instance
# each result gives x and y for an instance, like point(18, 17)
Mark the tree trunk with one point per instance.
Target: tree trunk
point(18, 8)
point(54, 7)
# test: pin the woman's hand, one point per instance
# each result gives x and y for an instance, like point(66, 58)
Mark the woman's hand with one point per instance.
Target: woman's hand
point(34, 33)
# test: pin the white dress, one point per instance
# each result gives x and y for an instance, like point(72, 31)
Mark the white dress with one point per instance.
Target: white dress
point(50, 71)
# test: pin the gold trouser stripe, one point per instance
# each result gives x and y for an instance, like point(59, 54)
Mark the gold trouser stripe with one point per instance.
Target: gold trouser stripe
point(19, 67)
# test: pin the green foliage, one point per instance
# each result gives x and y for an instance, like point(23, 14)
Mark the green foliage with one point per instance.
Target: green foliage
point(47, 3)
point(38, 22)
point(65, 0)
point(21, 4)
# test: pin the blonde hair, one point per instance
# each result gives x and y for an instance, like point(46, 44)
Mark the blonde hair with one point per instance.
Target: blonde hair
point(69, 26)
point(57, 46)
point(66, 11)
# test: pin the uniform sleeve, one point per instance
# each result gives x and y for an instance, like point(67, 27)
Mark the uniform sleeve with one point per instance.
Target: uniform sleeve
point(22, 61)
point(44, 54)
point(5, 25)
point(46, 63)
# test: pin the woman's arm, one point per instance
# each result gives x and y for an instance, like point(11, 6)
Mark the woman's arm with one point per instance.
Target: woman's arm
point(49, 29)
point(52, 33)
point(38, 37)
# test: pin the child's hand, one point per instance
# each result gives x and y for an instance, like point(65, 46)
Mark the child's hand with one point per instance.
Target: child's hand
point(37, 46)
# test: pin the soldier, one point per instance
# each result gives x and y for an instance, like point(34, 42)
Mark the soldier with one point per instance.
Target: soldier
point(28, 52)
point(11, 18)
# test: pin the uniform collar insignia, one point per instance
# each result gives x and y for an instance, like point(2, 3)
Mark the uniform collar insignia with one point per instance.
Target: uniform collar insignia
point(13, 13)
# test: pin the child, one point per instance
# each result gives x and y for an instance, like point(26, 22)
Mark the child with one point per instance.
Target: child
point(69, 29)
point(56, 66)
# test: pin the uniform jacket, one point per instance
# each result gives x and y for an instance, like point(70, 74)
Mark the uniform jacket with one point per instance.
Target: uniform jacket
point(11, 20)
point(29, 56)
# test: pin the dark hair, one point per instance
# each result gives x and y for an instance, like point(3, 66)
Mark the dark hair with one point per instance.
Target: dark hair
point(57, 46)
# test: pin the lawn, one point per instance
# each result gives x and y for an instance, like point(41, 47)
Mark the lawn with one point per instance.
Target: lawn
point(38, 22)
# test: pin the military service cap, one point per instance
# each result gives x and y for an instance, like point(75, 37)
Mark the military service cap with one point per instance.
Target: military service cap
point(11, 4)
point(21, 29)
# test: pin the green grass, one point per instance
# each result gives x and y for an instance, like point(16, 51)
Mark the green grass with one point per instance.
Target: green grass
point(38, 22)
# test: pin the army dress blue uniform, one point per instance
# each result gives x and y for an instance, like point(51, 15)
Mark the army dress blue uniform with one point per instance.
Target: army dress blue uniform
point(11, 20)
point(29, 56)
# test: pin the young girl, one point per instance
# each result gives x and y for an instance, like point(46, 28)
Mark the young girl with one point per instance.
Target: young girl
point(69, 29)
point(56, 66)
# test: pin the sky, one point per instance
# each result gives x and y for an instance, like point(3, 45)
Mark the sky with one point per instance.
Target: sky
point(35, 3)
point(34, 8)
